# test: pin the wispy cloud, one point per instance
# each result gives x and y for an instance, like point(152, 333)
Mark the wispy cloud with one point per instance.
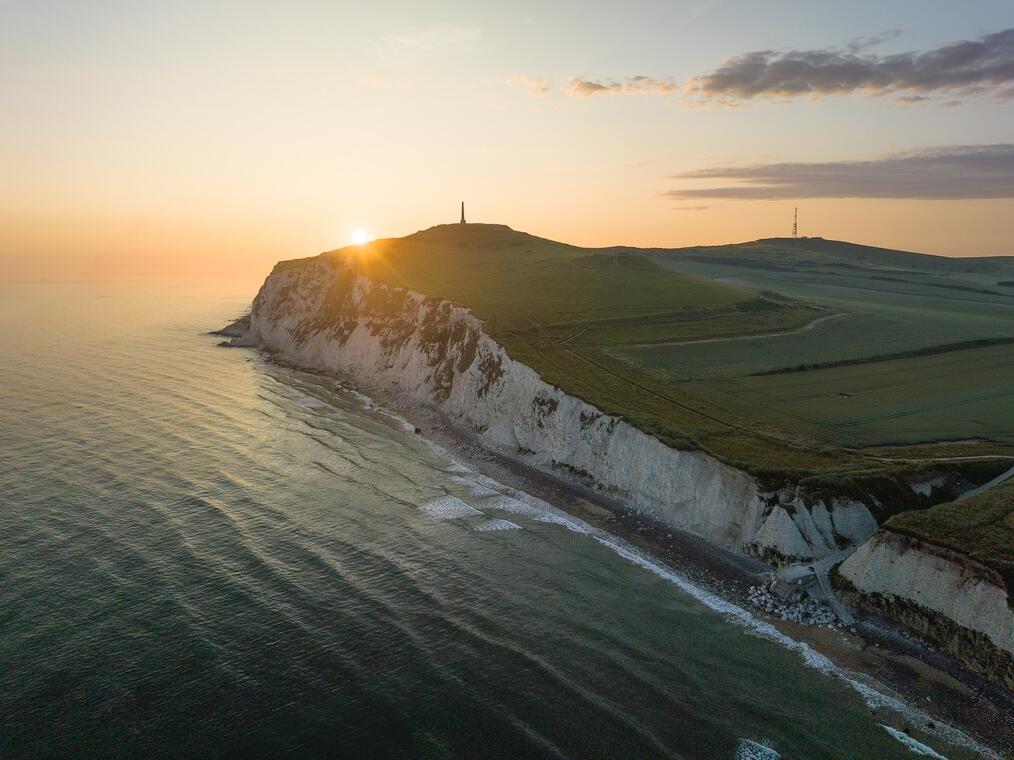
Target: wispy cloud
point(969, 68)
point(636, 85)
point(860, 44)
point(432, 38)
point(536, 86)
point(947, 172)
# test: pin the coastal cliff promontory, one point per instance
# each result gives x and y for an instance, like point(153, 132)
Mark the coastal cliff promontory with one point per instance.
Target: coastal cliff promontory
point(329, 314)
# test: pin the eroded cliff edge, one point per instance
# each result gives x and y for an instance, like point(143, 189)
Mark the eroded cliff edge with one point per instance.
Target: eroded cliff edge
point(949, 599)
point(319, 313)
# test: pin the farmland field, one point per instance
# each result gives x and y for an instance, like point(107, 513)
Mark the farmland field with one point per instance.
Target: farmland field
point(862, 328)
point(881, 314)
point(968, 394)
point(887, 303)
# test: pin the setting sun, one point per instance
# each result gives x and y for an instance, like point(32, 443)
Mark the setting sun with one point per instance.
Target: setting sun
point(361, 237)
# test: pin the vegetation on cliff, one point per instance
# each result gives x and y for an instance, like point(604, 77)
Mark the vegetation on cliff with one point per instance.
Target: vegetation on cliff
point(555, 307)
point(981, 527)
point(586, 319)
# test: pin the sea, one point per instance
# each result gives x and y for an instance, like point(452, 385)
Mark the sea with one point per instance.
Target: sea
point(204, 553)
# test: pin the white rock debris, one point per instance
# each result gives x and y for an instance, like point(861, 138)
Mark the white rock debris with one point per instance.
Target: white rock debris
point(808, 611)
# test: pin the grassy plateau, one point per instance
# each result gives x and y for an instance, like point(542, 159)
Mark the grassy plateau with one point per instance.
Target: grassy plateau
point(793, 359)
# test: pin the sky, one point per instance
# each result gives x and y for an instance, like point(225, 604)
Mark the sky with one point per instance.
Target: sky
point(144, 138)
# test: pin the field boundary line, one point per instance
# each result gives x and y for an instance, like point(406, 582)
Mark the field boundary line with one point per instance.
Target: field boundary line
point(758, 336)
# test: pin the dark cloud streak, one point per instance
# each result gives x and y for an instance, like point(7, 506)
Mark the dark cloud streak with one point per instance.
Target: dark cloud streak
point(863, 43)
point(973, 67)
point(950, 172)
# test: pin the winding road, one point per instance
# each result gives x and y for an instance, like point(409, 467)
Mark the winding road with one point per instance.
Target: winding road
point(1001, 478)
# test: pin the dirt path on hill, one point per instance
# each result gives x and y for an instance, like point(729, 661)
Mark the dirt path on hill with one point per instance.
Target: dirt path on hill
point(761, 336)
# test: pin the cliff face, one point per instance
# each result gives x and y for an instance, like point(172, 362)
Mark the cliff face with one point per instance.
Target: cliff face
point(947, 598)
point(319, 313)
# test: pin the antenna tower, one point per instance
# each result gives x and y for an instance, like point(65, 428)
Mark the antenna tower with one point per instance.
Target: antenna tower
point(795, 221)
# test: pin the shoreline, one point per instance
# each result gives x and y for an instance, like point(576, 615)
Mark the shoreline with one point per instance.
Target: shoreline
point(901, 667)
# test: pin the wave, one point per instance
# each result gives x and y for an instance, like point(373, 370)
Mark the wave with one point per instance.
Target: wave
point(491, 525)
point(916, 746)
point(448, 508)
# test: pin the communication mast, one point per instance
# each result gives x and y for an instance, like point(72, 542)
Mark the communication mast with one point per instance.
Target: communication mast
point(795, 221)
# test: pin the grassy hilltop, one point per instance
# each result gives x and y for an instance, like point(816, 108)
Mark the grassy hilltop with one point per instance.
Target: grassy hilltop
point(808, 359)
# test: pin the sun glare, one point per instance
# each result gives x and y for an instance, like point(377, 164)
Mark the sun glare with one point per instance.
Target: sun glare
point(360, 237)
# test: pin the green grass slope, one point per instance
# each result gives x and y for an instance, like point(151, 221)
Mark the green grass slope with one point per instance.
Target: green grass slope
point(670, 344)
point(550, 304)
point(966, 394)
point(524, 281)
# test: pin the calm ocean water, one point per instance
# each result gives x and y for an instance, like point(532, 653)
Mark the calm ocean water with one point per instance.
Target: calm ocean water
point(203, 554)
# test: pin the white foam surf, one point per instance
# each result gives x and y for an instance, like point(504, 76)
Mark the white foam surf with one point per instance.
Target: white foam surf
point(307, 401)
point(369, 404)
point(448, 508)
point(475, 487)
point(517, 503)
point(913, 744)
point(491, 525)
point(400, 421)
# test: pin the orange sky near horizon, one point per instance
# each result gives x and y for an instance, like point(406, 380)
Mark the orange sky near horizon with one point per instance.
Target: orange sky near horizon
point(143, 139)
point(94, 247)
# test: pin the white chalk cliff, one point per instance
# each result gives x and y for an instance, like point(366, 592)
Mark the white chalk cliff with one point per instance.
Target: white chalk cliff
point(318, 313)
point(919, 584)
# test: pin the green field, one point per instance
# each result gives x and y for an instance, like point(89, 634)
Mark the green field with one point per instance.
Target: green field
point(886, 303)
point(959, 394)
point(858, 330)
point(673, 340)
